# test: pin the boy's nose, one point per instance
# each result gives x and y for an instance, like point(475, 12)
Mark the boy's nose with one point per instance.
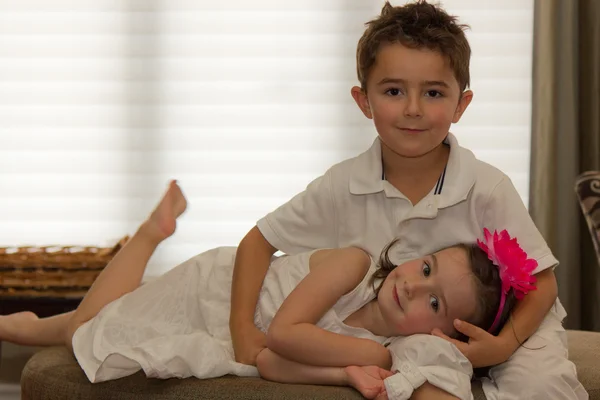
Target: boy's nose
point(413, 107)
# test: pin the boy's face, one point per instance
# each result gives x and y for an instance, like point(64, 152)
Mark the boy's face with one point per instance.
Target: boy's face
point(428, 293)
point(413, 98)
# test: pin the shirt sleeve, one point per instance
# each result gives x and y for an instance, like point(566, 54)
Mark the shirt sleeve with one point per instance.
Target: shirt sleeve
point(505, 210)
point(306, 222)
point(420, 358)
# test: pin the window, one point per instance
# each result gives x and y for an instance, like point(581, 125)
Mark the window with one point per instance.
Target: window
point(101, 102)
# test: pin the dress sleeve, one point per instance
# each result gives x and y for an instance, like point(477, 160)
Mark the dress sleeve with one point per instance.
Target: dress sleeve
point(420, 358)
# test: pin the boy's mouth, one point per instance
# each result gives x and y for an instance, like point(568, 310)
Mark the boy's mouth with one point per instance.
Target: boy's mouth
point(412, 131)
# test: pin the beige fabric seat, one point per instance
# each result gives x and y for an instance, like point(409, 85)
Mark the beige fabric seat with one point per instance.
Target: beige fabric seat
point(53, 374)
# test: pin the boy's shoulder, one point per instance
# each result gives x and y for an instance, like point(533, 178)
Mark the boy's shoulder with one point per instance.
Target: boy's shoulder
point(462, 160)
point(482, 185)
point(466, 176)
point(488, 175)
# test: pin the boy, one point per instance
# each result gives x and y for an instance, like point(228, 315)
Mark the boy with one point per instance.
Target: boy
point(417, 184)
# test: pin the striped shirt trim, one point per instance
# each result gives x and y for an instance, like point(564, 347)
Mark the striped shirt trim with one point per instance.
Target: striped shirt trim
point(438, 186)
point(440, 182)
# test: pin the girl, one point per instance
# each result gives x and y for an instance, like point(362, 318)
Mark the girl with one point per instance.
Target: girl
point(328, 314)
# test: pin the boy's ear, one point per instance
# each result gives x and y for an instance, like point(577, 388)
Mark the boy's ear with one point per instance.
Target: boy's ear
point(463, 103)
point(361, 99)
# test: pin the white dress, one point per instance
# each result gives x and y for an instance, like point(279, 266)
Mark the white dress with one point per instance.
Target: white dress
point(178, 325)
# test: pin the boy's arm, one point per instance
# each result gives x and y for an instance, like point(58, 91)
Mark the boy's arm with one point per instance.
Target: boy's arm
point(484, 349)
point(293, 333)
point(529, 312)
point(504, 209)
point(306, 222)
point(252, 260)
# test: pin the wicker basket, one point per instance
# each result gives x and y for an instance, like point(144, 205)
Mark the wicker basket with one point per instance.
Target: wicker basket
point(52, 271)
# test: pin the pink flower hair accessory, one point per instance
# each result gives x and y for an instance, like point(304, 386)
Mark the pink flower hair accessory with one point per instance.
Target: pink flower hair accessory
point(512, 262)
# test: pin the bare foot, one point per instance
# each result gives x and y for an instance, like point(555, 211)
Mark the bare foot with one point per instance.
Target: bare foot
point(163, 220)
point(13, 324)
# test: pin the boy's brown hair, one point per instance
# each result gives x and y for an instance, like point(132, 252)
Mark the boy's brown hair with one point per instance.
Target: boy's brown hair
point(418, 25)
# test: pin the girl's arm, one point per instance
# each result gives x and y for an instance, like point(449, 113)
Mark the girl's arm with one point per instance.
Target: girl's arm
point(428, 391)
point(369, 381)
point(273, 367)
point(293, 333)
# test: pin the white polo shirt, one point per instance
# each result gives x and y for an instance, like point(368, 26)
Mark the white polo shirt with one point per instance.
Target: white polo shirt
point(352, 205)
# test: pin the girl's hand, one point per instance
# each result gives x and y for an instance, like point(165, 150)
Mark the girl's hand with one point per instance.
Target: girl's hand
point(483, 348)
point(368, 381)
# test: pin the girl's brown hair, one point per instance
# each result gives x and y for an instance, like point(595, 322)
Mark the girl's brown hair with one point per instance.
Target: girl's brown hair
point(485, 275)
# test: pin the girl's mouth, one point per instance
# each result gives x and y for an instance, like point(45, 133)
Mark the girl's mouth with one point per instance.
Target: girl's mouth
point(396, 298)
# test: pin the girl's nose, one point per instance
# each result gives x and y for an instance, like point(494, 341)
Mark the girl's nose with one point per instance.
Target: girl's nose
point(413, 288)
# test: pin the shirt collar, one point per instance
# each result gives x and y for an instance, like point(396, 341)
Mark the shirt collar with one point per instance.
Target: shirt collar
point(367, 171)
point(460, 174)
point(453, 186)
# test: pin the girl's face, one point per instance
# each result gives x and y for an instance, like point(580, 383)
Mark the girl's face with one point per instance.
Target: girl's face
point(428, 293)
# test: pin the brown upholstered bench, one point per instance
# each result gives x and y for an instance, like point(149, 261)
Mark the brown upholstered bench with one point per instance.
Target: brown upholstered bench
point(53, 374)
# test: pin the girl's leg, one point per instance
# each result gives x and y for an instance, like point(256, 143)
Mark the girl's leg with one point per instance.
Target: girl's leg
point(25, 328)
point(124, 272)
point(122, 275)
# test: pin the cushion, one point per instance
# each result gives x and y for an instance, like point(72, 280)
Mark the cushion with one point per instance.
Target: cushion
point(53, 374)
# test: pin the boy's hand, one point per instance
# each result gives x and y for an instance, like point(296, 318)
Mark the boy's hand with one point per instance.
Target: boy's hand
point(368, 380)
point(483, 348)
point(247, 343)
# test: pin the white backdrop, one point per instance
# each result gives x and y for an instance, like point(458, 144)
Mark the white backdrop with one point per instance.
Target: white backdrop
point(102, 101)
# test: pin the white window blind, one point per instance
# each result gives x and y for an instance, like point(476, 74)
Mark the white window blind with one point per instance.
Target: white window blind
point(102, 101)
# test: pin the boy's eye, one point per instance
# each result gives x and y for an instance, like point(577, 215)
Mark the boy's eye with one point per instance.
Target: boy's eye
point(433, 93)
point(393, 92)
point(433, 302)
point(426, 269)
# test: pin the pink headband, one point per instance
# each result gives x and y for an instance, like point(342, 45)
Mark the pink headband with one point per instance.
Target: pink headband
point(512, 262)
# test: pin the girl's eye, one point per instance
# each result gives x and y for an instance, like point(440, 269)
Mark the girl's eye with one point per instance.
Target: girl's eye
point(393, 92)
point(426, 269)
point(433, 93)
point(433, 302)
